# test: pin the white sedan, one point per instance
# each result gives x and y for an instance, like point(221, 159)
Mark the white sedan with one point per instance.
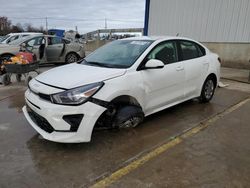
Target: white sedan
point(118, 85)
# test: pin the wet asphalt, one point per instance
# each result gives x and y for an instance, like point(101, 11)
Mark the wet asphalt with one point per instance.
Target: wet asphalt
point(216, 157)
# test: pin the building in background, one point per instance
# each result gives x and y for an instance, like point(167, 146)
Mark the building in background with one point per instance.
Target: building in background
point(222, 25)
point(56, 32)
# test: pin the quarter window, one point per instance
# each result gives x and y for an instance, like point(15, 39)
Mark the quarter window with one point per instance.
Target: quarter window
point(191, 50)
point(166, 52)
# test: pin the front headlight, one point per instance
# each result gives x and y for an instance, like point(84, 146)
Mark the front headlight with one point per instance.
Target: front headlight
point(77, 95)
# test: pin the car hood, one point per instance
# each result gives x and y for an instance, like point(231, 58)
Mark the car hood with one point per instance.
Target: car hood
point(75, 75)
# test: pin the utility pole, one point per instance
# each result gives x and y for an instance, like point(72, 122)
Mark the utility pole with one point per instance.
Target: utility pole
point(249, 74)
point(46, 21)
point(106, 23)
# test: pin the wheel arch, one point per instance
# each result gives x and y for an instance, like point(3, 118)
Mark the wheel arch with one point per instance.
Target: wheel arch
point(214, 78)
point(107, 116)
point(125, 100)
point(72, 52)
point(6, 54)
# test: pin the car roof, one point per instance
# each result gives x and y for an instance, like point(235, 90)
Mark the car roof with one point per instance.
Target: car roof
point(156, 38)
point(25, 33)
point(21, 40)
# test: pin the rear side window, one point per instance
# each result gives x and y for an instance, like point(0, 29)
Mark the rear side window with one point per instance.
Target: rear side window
point(55, 40)
point(191, 50)
point(166, 52)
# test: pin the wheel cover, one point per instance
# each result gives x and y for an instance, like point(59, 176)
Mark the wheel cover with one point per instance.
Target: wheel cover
point(71, 58)
point(209, 89)
point(132, 122)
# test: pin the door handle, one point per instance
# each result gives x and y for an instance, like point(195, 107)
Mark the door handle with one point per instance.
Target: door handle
point(180, 68)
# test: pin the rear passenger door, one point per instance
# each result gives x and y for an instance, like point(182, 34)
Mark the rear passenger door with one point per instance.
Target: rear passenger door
point(163, 86)
point(194, 62)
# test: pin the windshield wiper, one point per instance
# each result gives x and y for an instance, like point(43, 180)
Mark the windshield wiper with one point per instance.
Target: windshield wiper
point(93, 63)
point(98, 64)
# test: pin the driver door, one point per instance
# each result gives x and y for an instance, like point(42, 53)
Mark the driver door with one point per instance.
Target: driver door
point(34, 46)
point(55, 49)
point(164, 86)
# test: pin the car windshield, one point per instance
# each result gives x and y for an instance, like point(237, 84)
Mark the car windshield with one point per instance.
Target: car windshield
point(4, 38)
point(117, 54)
point(19, 41)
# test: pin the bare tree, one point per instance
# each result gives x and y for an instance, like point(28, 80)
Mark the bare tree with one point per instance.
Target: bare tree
point(5, 25)
point(17, 28)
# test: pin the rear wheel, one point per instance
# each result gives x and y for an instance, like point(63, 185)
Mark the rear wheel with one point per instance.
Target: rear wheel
point(128, 116)
point(207, 92)
point(71, 58)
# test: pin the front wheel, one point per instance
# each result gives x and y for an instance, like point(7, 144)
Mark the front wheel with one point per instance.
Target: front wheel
point(128, 116)
point(207, 91)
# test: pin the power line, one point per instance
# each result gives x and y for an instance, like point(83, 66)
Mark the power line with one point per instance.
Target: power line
point(75, 19)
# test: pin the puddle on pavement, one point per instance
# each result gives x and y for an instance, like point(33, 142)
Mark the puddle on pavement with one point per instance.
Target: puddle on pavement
point(68, 165)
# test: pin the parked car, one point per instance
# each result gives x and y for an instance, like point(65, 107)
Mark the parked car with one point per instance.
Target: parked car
point(118, 85)
point(48, 49)
point(14, 36)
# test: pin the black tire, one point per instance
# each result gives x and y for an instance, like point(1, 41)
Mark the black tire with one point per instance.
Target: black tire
point(207, 91)
point(71, 58)
point(18, 77)
point(6, 57)
point(128, 116)
point(27, 79)
point(6, 79)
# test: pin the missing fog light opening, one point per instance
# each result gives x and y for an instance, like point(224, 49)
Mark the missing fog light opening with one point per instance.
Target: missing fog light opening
point(74, 121)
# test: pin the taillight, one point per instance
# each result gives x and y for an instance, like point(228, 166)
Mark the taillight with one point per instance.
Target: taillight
point(219, 59)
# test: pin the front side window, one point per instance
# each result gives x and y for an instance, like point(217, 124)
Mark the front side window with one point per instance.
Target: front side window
point(165, 52)
point(35, 41)
point(118, 54)
point(190, 50)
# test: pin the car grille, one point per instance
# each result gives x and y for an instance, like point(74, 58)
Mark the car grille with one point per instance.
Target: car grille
point(39, 120)
point(41, 95)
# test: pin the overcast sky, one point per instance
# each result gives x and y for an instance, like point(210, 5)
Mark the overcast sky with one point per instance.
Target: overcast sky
point(63, 13)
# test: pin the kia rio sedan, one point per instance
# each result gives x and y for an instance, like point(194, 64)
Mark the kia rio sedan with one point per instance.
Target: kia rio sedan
point(118, 85)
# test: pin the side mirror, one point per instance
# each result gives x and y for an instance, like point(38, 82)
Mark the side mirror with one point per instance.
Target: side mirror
point(154, 64)
point(23, 47)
